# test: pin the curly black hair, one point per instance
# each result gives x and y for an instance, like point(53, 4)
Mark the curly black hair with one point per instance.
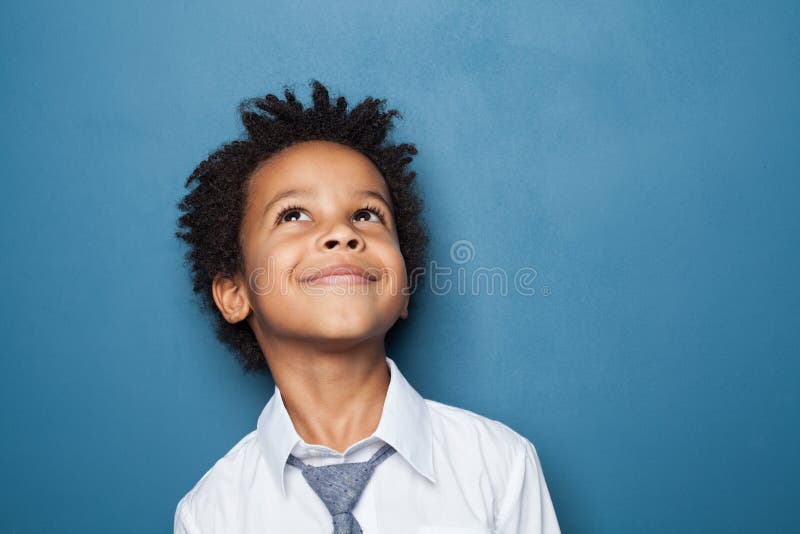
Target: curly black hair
point(214, 209)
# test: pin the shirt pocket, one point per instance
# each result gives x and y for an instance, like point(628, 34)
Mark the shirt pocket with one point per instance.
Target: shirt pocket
point(452, 530)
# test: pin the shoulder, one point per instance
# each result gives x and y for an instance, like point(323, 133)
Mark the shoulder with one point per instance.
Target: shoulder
point(218, 489)
point(493, 459)
point(477, 436)
point(474, 451)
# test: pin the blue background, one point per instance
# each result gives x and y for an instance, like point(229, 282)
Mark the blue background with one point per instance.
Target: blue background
point(640, 156)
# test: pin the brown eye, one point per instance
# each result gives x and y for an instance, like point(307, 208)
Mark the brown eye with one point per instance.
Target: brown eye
point(292, 214)
point(368, 215)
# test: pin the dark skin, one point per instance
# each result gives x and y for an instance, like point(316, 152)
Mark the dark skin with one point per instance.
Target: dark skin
point(323, 339)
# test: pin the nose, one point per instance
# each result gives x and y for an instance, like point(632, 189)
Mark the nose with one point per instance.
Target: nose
point(342, 236)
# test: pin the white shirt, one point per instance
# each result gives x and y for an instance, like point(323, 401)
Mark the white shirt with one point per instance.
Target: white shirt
point(454, 472)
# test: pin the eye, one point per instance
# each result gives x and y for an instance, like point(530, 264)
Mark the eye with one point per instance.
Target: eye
point(372, 214)
point(291, 214)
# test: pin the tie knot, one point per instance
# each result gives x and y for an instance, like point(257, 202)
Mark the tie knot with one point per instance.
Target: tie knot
point(345, 523)
point(339, 486)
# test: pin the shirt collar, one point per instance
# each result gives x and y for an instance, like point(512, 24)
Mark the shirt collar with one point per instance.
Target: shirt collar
point(405, 424)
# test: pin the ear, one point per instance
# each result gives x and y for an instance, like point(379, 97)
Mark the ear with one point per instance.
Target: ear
point(230, 297)
point(404, 312)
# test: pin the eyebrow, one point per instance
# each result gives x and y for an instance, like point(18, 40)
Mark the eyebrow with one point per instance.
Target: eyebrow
point(284, 194)
point(377, 196)
point(309, 193)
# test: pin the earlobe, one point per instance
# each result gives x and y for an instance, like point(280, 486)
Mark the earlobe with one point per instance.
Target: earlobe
point(404, 313)
point(229, 298)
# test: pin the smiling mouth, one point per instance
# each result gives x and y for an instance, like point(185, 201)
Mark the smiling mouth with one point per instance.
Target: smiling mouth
point(341, 274)
point(340, 279)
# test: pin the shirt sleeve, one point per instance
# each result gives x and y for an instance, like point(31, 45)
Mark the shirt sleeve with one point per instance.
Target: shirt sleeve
point(184, 521)
point(527, 507)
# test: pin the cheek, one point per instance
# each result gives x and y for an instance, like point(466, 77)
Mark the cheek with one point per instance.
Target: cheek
point(395, 266)
point(269, 264)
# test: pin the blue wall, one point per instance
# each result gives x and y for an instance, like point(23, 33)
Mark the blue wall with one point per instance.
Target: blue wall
point(641, 157)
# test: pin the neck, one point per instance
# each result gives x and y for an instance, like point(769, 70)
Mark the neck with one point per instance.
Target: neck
point(333, 394)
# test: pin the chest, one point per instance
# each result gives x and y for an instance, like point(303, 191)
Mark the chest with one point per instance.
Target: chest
point(397, 500)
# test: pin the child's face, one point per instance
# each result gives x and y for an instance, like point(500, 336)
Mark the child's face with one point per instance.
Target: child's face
point(312, 206)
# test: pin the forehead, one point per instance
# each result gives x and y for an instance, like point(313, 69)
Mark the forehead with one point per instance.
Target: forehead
point(316, 165)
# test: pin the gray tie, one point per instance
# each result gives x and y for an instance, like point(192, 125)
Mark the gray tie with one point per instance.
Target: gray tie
point(340, 485)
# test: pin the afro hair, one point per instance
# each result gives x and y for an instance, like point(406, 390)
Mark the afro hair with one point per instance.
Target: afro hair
point(214, 209)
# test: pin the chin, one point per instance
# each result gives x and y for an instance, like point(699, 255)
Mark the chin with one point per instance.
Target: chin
point(343, 329)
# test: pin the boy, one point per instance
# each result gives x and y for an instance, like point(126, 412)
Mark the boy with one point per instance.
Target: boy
point(304, 237)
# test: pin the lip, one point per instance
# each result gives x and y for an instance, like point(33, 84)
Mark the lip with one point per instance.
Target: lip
point(340, 272)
